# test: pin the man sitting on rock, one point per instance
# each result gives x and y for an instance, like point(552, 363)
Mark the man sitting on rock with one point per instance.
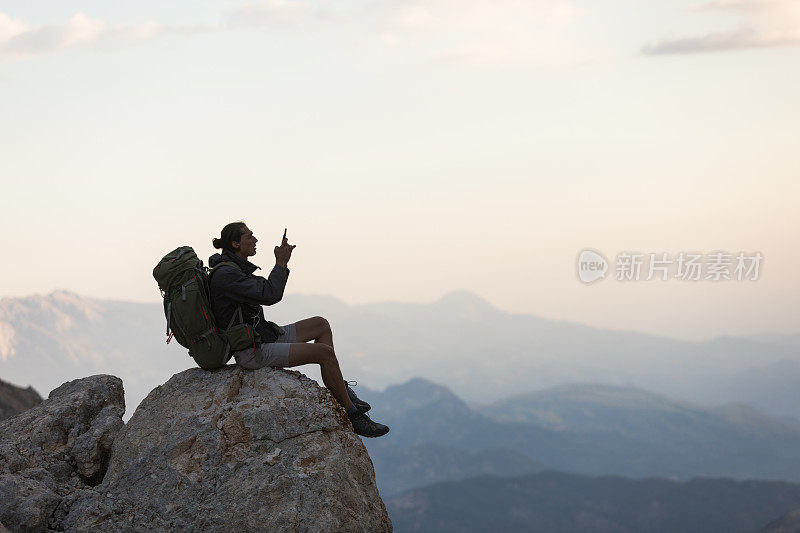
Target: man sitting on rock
point(233, 287)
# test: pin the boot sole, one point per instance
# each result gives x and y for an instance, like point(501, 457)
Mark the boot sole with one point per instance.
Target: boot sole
point(372, 436)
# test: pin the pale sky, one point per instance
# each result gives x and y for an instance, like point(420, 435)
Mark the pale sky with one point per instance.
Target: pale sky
point(411, 148)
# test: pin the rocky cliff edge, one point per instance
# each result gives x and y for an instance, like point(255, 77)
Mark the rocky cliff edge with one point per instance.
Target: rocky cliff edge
point(230, 449)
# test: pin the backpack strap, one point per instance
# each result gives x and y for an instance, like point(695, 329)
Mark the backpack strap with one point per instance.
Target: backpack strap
point(225, 263)
point(239, 312)
point(169, 314)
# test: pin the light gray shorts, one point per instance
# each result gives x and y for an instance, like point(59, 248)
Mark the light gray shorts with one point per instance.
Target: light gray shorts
point(269, 354)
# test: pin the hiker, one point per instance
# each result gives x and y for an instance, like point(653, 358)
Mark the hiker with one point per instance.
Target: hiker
point(280, 346)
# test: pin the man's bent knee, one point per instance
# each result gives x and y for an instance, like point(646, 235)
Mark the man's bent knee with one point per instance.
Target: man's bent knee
point(323, 326)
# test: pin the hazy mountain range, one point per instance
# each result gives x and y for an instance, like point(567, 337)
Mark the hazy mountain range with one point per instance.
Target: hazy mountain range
point(480, 352)
point(589, 429)
point(553, 502)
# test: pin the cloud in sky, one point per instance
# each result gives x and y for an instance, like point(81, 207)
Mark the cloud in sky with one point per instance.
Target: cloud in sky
point(497, 31)
point(19, 40)
point(273, 13)
point(470, 31)
point(764, 23)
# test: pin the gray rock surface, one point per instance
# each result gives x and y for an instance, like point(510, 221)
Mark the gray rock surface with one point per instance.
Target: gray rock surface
point(235, 450)
point(232, 450)
point(15, 399)
point(55, 449)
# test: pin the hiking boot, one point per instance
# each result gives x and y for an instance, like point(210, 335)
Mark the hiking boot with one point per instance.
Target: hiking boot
point(361, 405)
point(365, 427)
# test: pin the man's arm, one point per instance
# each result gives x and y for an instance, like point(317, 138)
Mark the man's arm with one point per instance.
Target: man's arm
point(255, 289)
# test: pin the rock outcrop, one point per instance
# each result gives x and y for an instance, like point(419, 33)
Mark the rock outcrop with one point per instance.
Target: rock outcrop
point(56, 449)
point(265, 450)
point(15, 399)
point(232, 450)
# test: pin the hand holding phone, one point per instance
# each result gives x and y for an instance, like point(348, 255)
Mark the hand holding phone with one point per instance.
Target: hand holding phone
point(283, 252)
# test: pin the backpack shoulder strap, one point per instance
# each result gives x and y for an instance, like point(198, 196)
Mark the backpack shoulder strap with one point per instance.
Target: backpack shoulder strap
point(220, 265)
point(226, 263)
point(238, 312)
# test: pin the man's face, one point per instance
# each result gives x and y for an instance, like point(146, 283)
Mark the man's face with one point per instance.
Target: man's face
point(247, 243)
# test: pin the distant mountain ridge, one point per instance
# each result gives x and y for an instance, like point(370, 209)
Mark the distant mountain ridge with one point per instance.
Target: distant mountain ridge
point(582, 405)
point(591, 429)
point(555, 502)
point(787, 339)
point(48, 340)
point(483, 353)
point(404, 467)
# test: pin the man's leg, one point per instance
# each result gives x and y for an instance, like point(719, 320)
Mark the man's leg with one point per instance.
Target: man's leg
point(315, 329)
point(322, 354)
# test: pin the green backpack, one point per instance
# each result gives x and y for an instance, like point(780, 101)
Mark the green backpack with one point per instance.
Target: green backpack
point(184, 284)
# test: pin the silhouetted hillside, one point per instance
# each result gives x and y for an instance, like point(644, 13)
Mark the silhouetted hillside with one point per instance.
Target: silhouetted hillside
point(552, 502)
point(593, 429)
point(400, 468)
point(15, 399)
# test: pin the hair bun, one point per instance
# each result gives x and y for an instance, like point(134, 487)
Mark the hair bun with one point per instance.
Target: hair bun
point(230, 233)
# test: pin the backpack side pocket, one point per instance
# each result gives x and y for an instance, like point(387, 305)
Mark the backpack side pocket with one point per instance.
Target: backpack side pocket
point(242, 336)
point(210, 351)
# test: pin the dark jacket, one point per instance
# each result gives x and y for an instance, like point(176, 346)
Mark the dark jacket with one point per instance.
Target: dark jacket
point(231, 287)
